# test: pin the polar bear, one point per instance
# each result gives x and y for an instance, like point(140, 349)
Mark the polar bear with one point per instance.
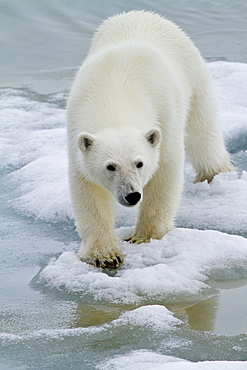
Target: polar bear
point(140, 100)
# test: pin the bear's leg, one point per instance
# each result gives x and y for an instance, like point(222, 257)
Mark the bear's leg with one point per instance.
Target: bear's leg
point(94, 213)
point(204, 143)
point(161, 199)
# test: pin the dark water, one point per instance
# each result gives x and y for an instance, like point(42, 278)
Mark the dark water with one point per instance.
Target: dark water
point(42, 40)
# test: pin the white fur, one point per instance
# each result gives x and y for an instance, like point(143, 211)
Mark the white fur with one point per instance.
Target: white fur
point(142, 95)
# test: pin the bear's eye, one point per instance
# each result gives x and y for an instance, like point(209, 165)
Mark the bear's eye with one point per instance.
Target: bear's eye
point(139, 165)
point(111, 167)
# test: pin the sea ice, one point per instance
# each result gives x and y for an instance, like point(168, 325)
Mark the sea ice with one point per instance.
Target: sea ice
point(177, 265)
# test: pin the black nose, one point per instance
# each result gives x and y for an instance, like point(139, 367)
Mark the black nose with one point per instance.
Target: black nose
point(133, 198)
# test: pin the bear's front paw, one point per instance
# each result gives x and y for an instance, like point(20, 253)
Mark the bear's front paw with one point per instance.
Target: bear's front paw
point(102, 259)
point(138, 239)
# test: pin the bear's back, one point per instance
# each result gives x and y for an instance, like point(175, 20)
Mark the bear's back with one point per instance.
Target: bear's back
point(144, 26)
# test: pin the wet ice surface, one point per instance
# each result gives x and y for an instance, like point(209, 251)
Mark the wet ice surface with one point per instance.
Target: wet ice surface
point(172, 299)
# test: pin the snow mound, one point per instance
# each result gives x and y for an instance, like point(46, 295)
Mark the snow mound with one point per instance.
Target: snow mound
point(177, 265)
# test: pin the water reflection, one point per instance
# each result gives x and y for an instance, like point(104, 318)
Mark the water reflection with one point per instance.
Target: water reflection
point(91, 315)
point(223, 314)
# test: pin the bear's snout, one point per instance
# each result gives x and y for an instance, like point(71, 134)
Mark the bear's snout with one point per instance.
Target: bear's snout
point(133, 198)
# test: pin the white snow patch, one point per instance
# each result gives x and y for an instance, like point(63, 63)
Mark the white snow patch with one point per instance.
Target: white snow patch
point(179, 264)
point(148, 360)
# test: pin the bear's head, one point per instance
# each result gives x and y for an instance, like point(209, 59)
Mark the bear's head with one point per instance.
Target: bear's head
point(121, 160)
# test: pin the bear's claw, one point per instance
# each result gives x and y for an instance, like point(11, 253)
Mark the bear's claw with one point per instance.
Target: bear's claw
point(111, 263)
point(137, 240)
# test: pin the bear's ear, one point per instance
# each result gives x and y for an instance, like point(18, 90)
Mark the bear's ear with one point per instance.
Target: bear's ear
point(153, 136)
point(85, 141)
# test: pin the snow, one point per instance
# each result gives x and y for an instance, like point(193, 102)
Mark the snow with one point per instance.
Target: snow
point(154, 317)
point(141, 359)
point(221, 205)
point(230, 84)
point(178, 265)
point(147, 360)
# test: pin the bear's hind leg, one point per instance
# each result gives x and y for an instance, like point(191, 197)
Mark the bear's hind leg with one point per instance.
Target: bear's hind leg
point(204, 142)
